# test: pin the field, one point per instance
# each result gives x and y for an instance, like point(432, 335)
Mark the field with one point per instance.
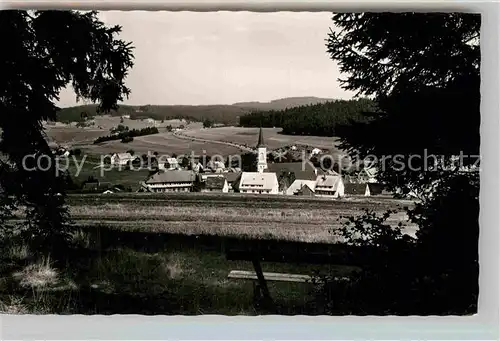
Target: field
point(164, 143)
point(71, 135)
point(194, 139)
point(228, 215)
point(163, 254)
point(272, 137)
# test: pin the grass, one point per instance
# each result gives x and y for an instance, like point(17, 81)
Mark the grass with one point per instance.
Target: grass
point(118, 274)
point(256, 217)
point(115, 176)
point(272, 137)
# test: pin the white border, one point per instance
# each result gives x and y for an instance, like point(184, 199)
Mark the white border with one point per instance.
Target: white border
point(483, 325)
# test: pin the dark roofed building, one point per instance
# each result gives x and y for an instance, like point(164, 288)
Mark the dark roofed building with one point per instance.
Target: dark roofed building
point(377, 189)
point(301, 171)
point(232, 179)
point(305, 191)
point(215, 184)
point(171, 181)
point(356, 189)
point(93, 187)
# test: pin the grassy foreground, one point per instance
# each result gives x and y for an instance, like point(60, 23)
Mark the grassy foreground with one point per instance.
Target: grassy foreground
point(148, 254)
point(228, 215)
point(114, 272)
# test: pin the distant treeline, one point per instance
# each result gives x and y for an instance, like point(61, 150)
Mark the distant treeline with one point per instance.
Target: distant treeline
point(224, 114)
point(127, 135)
point(319, 119)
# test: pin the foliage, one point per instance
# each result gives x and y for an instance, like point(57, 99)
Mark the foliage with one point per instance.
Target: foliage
point(421, 85)
point(285, 179)
point(49, 51)
point(127, 139)
point(226, 114)
point(119, 129)
point(207, 123)
point(127, 135)
point(248, 162)
point(318, 119)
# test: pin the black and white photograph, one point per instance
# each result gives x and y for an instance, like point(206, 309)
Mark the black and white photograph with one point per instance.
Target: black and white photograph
point(239, 163)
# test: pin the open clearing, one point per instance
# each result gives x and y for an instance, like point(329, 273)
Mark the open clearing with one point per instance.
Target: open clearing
point(272, 138)
point(229, 215)
point(165, 144)
point(69, 134)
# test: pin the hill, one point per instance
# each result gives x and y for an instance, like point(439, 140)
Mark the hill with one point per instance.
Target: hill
point(284, 103)
point(321, 119)
point(226, 114)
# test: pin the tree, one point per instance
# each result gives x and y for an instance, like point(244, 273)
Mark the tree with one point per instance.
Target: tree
point(285, 179)
point(423, 72)
point(248, 162)
point(131, 152)
point(185, 163)
point(50, 50)
point(207, 123)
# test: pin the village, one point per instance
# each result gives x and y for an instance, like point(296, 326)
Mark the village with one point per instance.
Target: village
point(299, 178)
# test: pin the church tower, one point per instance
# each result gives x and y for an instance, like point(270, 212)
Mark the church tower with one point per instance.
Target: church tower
point(261, 153)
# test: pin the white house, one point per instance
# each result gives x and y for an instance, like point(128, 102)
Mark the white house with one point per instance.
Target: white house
point(316, 151)
point(170, 163)
point(215, 165)
point(121, 159)
point(260, 183)
point(197, 167)
point(329, 186)
point(170, 181)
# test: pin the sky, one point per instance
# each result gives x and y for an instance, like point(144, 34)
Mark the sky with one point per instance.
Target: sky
point(197, 58)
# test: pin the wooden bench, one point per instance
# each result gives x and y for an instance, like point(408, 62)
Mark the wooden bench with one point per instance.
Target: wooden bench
point(269, 276)
point(260, 290)
point(287, 253)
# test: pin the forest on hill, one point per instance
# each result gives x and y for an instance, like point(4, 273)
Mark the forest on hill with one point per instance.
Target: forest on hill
point(224, 114)
point(322, 119)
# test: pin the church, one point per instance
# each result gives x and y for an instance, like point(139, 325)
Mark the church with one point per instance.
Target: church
point(259, 182)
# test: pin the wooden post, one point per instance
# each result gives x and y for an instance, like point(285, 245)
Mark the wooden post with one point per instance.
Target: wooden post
point(262, 281)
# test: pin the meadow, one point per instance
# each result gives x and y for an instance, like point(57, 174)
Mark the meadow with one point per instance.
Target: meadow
point(272, 137)
point(164, 143)
point(229, 215)
point(69, 134)
point(164, 254)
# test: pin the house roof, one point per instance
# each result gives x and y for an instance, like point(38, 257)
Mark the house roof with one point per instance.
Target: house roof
point(172, 176)
point(123, 155)
point(231, 177)
point(328, 182)
point(354, 188)
point(171, 161)
point(302, 173)
point(265, 181)
point(215, 182)
point(305, 189)
point(376, 188)
point(298, 184)
point(215, 164)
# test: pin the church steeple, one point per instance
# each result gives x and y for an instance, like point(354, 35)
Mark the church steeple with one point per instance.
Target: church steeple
point(262, 153)
point(260, 143)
